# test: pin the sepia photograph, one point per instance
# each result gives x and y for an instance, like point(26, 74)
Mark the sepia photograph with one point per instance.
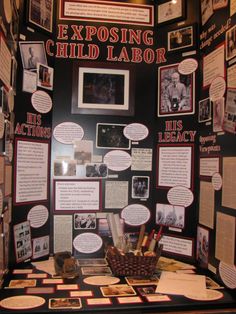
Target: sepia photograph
point(32, 53)
point(181, 38)
point(206, 10)
point(111, 136)
point(96, 270)
point(40, 14)
point(83, 151)
point(117, 290)
point(170, 215)
point(204, 112)
point(230, 39)
point(170, 11)
point(65, 303)
point(84, 221)
point(140, 187)
point(176, 92)
point(45, 76)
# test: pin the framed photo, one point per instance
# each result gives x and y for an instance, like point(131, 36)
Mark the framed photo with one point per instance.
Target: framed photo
point(202, 246)
point(140, 187)
point(206, 10)
point(182, 38)
point(230, 43)
point(111, 136)
point(176, 94)
point(204, 112)
point(170, 215)
point(40, 14)
point(168, 11)
point(32, 53)
point(45, 76)
point(100, 89)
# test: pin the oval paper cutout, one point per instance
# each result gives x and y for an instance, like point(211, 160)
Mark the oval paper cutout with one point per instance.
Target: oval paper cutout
point(38, 216)
point(228, 275)
point(22, 302)
point(216, 181)
point(217, 88)
point(180, 195)
point(68, 132)
point(41, 101)
point(117, 160)
point(135, 214)
point(136, 131)
point(188, 66)
point(87, 243)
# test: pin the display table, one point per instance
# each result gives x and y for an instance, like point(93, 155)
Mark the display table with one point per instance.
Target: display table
point(45, 294)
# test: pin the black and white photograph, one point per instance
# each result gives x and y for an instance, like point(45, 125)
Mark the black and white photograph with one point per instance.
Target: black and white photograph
point(85, 221)
point(65, 167)
point(83, 151)
point(32, 53)
point(218, 114)
point(204, 112)
point(176, 92)
point(170, 11)
point(65, 303)
point(202, 246)
point(96, 170)
point(206, 10)
point(40, 14)
point(170, 215)
point(181, 38)
point(219, 4)
point(140, 187)
point(103, 90)
point(230, 39)
point(111, 136)
point(45, 76)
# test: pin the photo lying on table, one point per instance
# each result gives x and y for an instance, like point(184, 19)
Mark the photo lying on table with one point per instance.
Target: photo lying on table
point(170, 215)
point(117, 290)
point(40, 14)
point(176, 92)
point(96, 270)
point(65, 303)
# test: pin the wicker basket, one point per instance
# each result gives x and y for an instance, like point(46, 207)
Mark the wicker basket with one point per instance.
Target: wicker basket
point(132, 265)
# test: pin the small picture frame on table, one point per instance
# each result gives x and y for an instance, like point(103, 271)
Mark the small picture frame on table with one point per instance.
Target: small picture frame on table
point(182, 38)
point(169, 11)
point(40, 14)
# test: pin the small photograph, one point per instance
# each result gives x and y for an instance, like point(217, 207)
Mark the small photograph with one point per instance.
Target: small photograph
point(92, 262)
point(140, 281)
point(181, 38)
point(65, 303)
point(111, 136)
point(96, 270)
point(99, 170)
point(218, 114)
point(4, 102)
point(32, 53)
point(84, 221)
point(231, 101)
point(83, 151)
point(103, 228)
point(206, 10)
point(45, 76)
point(22, 283)
point(41, 13)
point(147, 290)
point(176, 92)
point(204, 112)
point(140, 187)
point(170, 215)
point(202, 246)
point(230, 38)
point(65, 167)
point(219, 4)
point(117, 290)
